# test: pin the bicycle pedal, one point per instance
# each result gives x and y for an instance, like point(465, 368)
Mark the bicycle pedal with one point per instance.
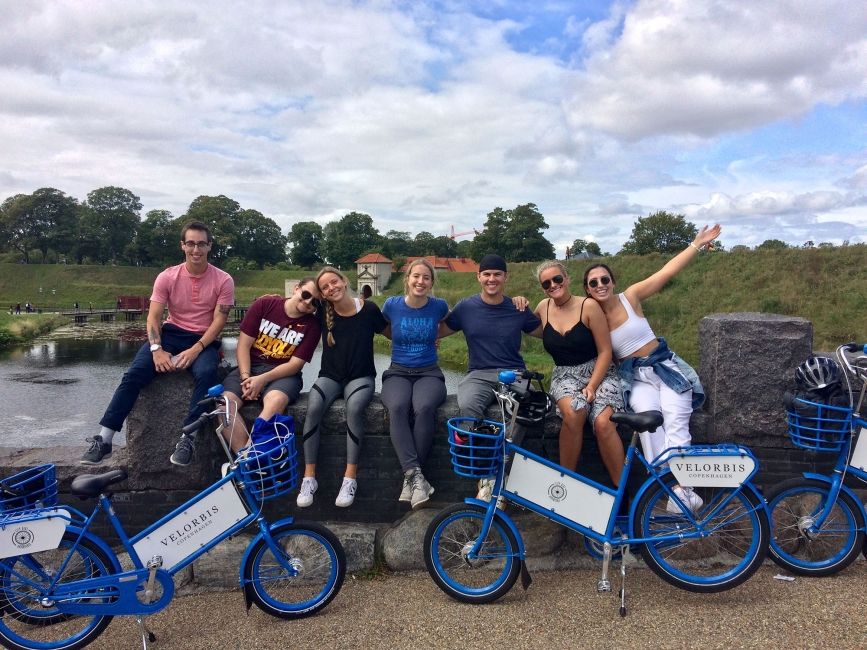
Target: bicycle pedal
point(603, 586)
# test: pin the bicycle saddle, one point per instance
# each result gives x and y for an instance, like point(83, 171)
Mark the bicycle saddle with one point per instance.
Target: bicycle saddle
point(644, 421)
point(86, 486)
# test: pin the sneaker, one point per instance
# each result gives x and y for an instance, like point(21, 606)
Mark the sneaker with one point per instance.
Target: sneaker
point(406, 492)
point(690, 499)
point(347, 493)
point(183, 452)
point(96, 452)
point(486, 486)
point(308, 488)
point(421, 489)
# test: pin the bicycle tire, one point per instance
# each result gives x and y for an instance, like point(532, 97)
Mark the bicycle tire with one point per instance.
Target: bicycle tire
point(310, 549)
point(28, 625)
point(834, 547)
point(734, 550)
point(450, 535)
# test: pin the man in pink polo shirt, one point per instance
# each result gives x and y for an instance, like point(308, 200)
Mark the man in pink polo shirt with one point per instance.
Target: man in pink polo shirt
point(199, 297)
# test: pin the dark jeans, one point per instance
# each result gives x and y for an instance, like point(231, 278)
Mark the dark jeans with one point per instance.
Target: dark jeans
point(142, 372)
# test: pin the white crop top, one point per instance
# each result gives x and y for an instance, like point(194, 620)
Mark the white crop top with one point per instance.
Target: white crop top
point(635, 332)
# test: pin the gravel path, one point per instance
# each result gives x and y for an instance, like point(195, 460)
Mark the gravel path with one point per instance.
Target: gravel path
point(560, 610)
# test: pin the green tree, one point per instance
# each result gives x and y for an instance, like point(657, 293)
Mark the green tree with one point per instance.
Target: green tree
point(157, 242)
point(444, 246)
point(305, 243)
point(110, 222)
point(258, 239)
point(660, 232)
point(524, 240)
point(581, 246)
point(492, 238)
point(772, 245)
point(397, 243)
point(349, 238)
point(423, 244)
point(16, 216)
point(54, 221)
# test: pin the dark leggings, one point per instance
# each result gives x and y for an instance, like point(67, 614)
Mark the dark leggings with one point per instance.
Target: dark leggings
point(357, 393)
point(412, 397)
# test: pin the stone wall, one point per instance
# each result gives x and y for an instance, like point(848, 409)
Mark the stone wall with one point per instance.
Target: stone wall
point(746, 363)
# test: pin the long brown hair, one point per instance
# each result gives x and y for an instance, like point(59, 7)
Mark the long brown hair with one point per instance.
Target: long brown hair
point(329, 308)
point(423, 262)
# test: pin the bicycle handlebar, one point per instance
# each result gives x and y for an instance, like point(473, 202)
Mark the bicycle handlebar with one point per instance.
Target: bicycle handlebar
point(208, 402)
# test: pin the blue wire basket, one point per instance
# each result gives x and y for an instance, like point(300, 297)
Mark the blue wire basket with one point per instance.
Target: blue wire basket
point(269, 469)
point(33, 488)
point(475, 454)
point(817, 426)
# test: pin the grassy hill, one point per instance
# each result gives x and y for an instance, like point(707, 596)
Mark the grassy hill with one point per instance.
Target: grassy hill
point(827, 286)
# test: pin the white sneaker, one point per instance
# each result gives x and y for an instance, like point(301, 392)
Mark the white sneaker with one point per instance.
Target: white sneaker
point(421, 489)
point(347, 493)
point(690, 499)
point(308, 488)
point(406, 492)
point(486, 486)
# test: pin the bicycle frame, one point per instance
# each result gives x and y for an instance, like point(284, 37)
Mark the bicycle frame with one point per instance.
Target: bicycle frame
point(593, 513)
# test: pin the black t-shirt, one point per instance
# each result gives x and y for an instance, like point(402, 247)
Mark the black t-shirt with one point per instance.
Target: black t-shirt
point(351, 356)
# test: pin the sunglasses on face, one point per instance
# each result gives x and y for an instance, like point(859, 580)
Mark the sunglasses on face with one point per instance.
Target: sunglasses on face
point(306, 296)
point(605, 280)
point(557, 279)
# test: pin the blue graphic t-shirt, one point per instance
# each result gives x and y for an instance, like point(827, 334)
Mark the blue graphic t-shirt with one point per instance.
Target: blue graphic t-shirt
point(414, 331)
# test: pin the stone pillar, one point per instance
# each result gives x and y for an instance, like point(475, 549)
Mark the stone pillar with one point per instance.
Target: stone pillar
point(747, 362)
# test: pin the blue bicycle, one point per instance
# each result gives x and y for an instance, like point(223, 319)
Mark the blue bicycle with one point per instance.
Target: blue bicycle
point(818, 522)
point(474, 551)
point(61, 584)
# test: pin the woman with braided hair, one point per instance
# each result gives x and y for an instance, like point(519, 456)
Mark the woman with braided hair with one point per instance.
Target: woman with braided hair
point(347, 370)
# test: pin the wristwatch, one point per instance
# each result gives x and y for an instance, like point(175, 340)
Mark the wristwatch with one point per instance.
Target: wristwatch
point(155, 347)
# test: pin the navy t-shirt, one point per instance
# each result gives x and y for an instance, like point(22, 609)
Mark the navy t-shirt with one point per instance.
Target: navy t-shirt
point(493, 332)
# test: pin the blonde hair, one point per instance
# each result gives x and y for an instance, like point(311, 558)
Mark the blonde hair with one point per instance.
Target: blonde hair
point(329, 308)
point(551, 264)
point(424, 262)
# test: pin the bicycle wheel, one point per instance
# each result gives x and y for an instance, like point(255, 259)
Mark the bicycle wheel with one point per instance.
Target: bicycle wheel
point(727, 549)
point(451, 535)
point(30, 619)
point(304, 578)
point(794, 505)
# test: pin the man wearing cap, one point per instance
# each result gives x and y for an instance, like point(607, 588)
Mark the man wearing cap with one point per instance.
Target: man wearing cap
point(492, 327)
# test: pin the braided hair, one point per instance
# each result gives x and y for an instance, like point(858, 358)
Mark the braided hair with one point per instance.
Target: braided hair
point(329, 308)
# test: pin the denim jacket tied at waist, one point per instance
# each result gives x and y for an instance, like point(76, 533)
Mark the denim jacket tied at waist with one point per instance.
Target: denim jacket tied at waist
point(681, 380)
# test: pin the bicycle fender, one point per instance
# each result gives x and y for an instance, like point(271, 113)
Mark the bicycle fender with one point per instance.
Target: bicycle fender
point(504, 518)
point(843, 488)
point(246, 588)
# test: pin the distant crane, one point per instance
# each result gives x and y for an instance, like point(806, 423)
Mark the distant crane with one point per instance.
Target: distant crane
point(454, 235)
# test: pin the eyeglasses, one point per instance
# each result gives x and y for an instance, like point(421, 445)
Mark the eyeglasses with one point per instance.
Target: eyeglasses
point(306, 296)
point(605, 280)
point(197, 244)
point(557, 279)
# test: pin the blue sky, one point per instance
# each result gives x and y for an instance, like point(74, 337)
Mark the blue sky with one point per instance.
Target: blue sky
point(430, 114)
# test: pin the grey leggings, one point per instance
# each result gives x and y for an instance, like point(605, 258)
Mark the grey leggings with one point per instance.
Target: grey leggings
point(357, 394)
point(406, 395)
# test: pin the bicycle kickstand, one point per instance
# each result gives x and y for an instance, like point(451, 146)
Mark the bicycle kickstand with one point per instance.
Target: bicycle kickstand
point(604, 584)
point(146, 635)
point(624, 556)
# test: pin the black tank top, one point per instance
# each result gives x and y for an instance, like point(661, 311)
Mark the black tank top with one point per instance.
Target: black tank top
point(574, 347)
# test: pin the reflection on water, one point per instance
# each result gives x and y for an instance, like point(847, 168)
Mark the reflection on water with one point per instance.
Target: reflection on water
point(55, 391)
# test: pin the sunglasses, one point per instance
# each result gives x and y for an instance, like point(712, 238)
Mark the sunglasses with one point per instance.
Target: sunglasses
point(557, 279)
point(306, 296)
point(605, 280)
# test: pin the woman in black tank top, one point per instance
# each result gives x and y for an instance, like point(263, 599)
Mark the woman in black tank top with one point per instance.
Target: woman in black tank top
point(575, 334)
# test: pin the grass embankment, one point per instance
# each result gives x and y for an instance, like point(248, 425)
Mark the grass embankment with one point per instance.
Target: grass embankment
point(825, 286)
point(21, 328)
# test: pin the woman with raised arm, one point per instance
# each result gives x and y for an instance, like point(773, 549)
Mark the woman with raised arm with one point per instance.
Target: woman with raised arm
point(414, 387)
point(653, 377)
point(347, 370)
point(583, 382)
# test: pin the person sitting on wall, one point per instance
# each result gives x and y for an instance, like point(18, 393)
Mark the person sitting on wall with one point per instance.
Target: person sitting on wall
point(198, 296)
point(278, 336)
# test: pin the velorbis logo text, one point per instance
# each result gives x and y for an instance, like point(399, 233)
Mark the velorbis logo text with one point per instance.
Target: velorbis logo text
point(192, 527)
point(712, 470)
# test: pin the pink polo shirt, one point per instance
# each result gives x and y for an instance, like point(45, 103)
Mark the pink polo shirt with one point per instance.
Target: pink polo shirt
point(191, 299)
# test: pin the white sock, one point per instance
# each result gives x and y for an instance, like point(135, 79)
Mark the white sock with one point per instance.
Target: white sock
point(106, 434)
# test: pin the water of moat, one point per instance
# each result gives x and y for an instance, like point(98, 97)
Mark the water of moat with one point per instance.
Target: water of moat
point(54, 390)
